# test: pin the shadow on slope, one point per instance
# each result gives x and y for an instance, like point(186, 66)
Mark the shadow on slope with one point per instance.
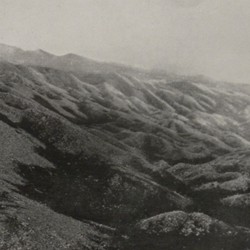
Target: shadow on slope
point(87, 188)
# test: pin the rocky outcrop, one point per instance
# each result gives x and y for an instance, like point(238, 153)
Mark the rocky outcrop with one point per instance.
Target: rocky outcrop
point(180, 230)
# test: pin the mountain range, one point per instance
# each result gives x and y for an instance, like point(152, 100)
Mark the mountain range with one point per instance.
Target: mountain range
point(99, 155)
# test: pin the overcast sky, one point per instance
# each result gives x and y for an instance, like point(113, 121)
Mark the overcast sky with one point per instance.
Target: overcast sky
point(209, 37)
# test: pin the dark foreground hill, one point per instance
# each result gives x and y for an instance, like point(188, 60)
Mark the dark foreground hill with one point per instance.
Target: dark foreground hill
point(120, 158)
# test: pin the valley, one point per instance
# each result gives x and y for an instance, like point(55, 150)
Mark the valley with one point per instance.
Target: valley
point(105, 156)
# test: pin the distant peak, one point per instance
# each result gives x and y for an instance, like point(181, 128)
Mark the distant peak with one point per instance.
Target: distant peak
point(72, 55)
point(43, 52)
point(9, 48)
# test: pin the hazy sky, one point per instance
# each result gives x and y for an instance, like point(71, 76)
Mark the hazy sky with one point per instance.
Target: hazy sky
point(210, 37)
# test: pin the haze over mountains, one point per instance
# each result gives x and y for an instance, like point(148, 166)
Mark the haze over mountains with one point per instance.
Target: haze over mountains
point(68, 62)
point(99, 155)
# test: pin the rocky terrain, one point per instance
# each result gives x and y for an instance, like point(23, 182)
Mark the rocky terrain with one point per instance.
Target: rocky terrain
point(105, 156)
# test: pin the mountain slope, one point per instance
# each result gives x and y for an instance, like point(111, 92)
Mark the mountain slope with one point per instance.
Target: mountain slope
point(68, 62)
point(87, 158)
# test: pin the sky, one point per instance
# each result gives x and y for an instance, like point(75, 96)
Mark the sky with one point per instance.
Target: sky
point(209, 37)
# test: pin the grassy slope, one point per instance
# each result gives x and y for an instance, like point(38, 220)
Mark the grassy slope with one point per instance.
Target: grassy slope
point(78, 148)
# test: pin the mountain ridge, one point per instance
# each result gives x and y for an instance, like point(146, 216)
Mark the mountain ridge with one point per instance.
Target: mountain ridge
point(72, 62)
point(112, 159)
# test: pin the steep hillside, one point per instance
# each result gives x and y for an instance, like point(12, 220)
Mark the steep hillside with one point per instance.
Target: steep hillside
point(117, 159)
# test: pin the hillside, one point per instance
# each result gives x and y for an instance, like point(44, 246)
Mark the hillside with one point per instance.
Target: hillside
point(104, 156)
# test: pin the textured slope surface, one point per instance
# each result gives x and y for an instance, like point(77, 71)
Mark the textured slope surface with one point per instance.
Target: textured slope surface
point(103, 159)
